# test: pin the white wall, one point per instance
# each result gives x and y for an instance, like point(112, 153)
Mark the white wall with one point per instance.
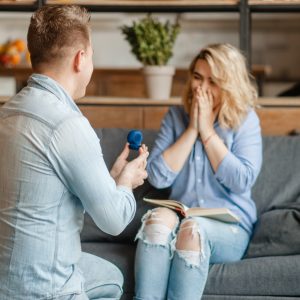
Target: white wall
point(275, 40)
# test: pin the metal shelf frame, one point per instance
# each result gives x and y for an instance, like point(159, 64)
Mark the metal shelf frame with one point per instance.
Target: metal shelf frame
point(275, 8)
point(246, 11)
point(134, 8)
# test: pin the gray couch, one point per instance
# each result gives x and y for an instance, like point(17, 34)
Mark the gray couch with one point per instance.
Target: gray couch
point(271, 266)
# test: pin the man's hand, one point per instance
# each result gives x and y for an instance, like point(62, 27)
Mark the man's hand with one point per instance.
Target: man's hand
point(120, 163)
point(131, 174)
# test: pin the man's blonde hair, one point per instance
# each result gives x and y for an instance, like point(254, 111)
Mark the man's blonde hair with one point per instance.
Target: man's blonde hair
point(53, 30)
point(229, 72)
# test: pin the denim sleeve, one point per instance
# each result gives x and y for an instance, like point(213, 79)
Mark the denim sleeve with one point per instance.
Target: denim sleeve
point(160, 174)
point(77, 158)
point(240, 167)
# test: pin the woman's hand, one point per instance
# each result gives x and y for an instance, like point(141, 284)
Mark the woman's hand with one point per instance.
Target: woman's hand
point(207, 114)
point(194, 112)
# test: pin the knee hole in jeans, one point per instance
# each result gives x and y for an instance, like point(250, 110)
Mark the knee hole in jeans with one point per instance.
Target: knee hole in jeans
point(188, 237)
point(164, 216)
point(159, 225)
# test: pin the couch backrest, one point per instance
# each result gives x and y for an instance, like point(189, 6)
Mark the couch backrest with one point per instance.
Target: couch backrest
point(278, 184)
point(279, 179)
point(113, 140)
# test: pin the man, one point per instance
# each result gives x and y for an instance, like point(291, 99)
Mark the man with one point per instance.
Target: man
point(52, 169)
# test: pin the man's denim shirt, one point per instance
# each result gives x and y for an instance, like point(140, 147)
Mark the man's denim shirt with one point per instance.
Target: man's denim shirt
point(51, 170)
point(197, 184)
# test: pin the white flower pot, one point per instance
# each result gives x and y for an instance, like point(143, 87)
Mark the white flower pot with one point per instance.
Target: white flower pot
point(158, 80)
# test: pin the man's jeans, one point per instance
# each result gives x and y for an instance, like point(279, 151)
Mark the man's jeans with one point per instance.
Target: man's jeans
point(103, 280)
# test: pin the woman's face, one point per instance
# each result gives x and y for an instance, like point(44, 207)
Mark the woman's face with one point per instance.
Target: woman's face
point(202, 77)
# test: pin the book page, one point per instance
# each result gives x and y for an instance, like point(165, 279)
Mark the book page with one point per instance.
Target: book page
point(221, 214)
point(172, 204)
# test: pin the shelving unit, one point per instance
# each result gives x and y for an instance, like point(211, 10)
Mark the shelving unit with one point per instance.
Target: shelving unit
point(245, 8)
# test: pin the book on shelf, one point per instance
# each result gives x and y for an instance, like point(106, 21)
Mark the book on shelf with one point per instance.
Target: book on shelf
point(221, 214)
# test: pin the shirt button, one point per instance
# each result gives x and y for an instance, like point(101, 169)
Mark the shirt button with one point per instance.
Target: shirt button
point(199, 180)
point(197, 157)
point(201, 201)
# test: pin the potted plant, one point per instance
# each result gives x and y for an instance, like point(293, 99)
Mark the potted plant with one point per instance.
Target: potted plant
point(152, 44)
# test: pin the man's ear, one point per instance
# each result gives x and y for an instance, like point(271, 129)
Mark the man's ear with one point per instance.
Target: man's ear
point(79, 60)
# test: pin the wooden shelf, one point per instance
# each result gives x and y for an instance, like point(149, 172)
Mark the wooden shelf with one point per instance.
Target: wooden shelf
point(146, 2)
point(279, 102)
point(266, 102)
point(272, 2)
point(116, 101)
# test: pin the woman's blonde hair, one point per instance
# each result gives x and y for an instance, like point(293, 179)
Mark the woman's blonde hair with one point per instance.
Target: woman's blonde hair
point(229, 72)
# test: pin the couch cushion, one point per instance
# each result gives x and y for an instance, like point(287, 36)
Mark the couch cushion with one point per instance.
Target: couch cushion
point(113, 140)
point(277, 276)
point(277, 232)
point(277, 196)
point(266, 276)
point(278, 181)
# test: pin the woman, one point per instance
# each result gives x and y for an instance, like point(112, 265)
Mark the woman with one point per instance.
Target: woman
point(210, 153)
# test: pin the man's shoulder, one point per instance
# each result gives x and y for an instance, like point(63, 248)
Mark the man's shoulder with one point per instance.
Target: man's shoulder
point(41, 105)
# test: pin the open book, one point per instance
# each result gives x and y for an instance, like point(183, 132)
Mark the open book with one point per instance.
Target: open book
point(221, 214)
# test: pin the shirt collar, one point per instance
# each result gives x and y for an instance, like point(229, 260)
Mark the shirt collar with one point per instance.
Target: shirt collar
point(46, 83)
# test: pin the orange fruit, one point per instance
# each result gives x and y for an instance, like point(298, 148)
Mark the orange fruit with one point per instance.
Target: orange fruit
point(15, 59)
point(4, 59)
point(19, 44)
point(11, 50)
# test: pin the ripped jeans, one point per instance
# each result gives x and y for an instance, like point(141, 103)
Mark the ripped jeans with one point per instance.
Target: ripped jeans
point(162, 271)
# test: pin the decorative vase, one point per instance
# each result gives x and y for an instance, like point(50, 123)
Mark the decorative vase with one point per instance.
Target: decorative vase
point(158, 80)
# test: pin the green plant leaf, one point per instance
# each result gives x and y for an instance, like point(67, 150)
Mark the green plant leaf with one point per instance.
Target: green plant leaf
point(151, 41)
